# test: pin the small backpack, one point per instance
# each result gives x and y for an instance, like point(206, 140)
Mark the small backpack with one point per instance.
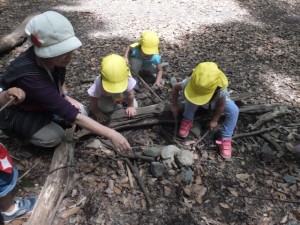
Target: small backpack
point(5, 160)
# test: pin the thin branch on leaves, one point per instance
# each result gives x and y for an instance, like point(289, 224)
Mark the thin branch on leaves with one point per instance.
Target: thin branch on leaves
point(254, 132)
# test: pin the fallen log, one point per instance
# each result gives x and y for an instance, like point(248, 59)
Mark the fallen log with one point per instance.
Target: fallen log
point(161, 114)
point(56, 185)
point(277, 112)
point(17, 37)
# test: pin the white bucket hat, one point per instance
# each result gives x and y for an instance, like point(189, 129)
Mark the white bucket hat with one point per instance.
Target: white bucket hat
point(51, 34)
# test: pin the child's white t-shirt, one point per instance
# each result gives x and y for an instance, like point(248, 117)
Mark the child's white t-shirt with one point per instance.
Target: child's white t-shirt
point(212, 102)
point(96, 90)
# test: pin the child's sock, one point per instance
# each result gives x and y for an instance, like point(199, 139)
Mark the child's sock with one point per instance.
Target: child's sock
point(12, 212)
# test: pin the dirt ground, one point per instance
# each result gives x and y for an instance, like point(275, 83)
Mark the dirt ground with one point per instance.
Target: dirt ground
point(256, 43)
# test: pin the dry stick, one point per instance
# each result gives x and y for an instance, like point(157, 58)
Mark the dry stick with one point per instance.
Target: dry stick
point(141, 79)
point(270, 199)
point(139, 180)
point(271, 141)
point(175, 130)
point(7, 104)
point(15, 158)
point(254, 133)
point(24, 174)
point(129, 176)
point(204, 135)
point(135, 174)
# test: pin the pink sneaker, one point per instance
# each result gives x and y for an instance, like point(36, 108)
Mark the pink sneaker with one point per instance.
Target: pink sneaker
point(225, 147)
point(185, 127)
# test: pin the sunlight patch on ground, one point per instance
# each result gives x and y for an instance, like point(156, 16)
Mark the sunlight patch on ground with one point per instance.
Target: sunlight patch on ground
point(183, 16)
point(282, 85)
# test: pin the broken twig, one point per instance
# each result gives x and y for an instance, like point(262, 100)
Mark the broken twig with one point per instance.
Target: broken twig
point(150, 89)
point(139, 180)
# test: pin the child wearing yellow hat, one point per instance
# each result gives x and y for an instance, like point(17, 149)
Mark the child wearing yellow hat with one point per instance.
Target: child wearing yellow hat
point(113, 89)
point(207, 87)
point(144, 59)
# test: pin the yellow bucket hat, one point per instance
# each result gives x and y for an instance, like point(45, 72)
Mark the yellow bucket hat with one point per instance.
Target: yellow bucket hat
point(114, 73)
point(205, 78)
point(149, 42)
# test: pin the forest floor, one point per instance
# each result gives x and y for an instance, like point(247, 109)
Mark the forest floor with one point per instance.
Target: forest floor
point(256, 43)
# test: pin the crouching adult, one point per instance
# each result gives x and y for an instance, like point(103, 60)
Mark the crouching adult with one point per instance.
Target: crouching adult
point(41, 72)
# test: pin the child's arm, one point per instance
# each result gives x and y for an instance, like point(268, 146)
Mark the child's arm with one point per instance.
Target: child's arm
point(131, 111)
point(95, 110)
point(220, 107)
point(126, 55)
point(158, 75)
point(175, 93)
point(5, 96)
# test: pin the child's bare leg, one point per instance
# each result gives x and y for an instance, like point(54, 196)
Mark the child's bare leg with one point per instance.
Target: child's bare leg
point(7, 203)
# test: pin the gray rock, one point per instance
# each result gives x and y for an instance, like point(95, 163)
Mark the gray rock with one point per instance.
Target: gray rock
point(185, 158)
point(170, 151)
point(290, 179)
point(156, 128)
point(266, 149)
point(293, 222)
point(196, 129)
point(168, 154)
point(141, 95)
point(173, 81)
point(152, 151)
point(95, 144)
point(172, 172)
point(186, 175)
point(157, 169)
point(147, 102)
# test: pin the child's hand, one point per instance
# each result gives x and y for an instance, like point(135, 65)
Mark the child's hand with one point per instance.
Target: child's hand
point(131, 111)
point(174, 111)
point(157, 84)
point(213, 124)
point(100, 117)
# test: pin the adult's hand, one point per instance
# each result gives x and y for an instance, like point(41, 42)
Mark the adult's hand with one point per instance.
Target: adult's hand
point(120, 142)
point(18, 93)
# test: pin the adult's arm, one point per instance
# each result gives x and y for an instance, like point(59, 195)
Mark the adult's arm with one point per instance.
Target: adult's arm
point(118, 140)
point(41, 93)
point(65, 94)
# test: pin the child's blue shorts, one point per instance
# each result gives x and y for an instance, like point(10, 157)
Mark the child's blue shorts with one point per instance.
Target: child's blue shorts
point(8, 182)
